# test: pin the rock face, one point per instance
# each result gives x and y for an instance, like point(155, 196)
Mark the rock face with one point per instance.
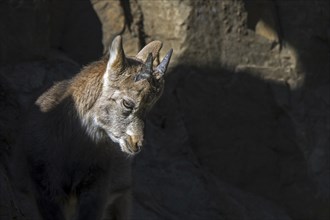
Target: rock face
point(24, 27)
point(242, 130)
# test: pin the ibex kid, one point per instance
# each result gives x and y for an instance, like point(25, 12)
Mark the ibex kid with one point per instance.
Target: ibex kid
point(77, 141)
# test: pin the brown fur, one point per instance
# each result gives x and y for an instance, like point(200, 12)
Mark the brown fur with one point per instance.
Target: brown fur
point(84, 88)
point(72, 157)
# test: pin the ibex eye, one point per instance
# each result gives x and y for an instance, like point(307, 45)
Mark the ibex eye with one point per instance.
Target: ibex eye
point(128, 104)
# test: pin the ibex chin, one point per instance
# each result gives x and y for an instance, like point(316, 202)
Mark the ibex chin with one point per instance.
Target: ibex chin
point(77, 143)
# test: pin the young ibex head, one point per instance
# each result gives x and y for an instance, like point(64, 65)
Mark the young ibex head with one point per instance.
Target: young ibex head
point(130, 88)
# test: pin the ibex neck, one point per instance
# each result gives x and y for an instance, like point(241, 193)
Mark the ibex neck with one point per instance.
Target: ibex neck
point(86, 87)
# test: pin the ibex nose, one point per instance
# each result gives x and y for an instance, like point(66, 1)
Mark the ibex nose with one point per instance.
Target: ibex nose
point(136, 143)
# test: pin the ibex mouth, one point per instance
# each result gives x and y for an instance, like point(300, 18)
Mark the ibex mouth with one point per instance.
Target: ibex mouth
point(130, 145)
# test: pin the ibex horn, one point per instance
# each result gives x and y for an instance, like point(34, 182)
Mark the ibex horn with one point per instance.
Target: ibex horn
point(149, 63)
point(146, 70)
point(163, 65)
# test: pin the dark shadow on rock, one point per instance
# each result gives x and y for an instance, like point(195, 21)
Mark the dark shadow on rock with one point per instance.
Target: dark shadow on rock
point(308, 36)
point(216, 137)
point(35, 30)
point(76, 30)
point(238, 133)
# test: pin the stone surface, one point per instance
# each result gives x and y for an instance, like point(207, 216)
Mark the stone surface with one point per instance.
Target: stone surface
point(24, 31)
point(178, 185)
point(242, 131)
point(76, 30)
point(120, 17)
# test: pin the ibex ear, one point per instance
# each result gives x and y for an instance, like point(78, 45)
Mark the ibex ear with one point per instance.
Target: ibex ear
point(153, 48)
point(117, 57)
